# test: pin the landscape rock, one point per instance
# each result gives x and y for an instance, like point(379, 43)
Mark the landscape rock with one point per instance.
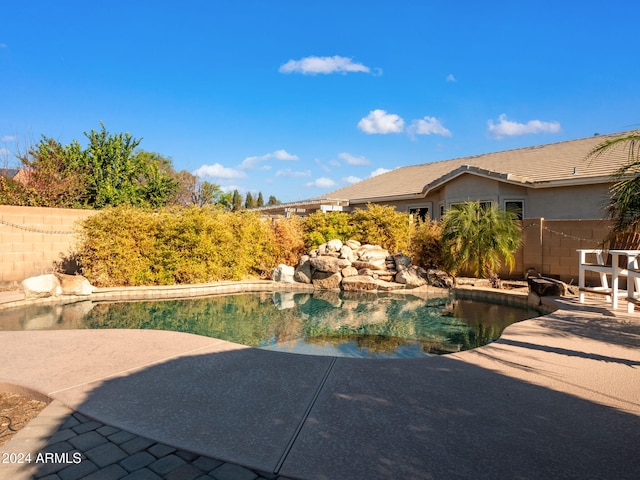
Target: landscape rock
point(41, 286)
point(439, 278)
point(353, 244)
point(74, 284)
point(326, 280)
point(327, 263)
point(334, 245)
point(349, 271)
point(358, 283)
point(401, 260)
point(283, 273)
point(359, 264)
point(348, 253)
point(410, 277)
point(546, 287)
point(303, 270)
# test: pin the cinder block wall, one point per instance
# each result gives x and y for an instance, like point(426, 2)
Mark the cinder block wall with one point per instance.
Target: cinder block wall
point(32, 238)
point(550, 247)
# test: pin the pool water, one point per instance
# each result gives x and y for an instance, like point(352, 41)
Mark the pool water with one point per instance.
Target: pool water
point(345, 324)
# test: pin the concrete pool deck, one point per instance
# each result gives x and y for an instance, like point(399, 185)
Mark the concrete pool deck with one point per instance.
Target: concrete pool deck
point(555, 397)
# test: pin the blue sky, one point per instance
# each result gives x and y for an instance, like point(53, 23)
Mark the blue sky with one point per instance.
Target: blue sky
point(299, 98)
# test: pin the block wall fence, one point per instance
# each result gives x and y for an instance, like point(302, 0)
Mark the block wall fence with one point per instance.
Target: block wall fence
point(33, 238)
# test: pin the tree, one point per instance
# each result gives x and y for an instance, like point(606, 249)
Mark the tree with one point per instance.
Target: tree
point(624, 203)
point(236, 201)
point(207, 193)
point(273, 201)
point(478, 237)
point(55, 175)
point(186, 188)
point(260, 200)
point(157, 184)
point(249, 201)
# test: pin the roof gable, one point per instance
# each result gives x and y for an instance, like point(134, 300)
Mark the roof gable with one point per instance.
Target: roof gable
point(537, 167)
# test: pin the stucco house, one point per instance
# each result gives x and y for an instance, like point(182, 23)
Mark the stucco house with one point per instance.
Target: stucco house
point(553, 181)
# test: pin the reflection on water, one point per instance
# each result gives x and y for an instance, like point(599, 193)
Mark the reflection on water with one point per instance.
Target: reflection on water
point(347, 324)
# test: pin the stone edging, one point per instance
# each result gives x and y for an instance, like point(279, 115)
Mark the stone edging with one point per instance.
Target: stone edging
point(166, 292)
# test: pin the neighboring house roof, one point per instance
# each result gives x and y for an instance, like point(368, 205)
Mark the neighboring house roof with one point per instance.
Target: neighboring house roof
point(17, 174)
point(555, 164)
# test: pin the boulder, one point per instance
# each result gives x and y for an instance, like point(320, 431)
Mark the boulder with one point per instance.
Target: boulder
point(74, 284)
point(359, 264)
point(353, 244)
point(326, 280)
point(410, 278)
point(41, 286)
point(334, 245)
point(329, 263)
point(546, 287)
point(369, 273)
point(283, 273)
point(359, 282)
point(440, 279)
point(348, 253)
point(373, 254)
point(401, 260)
point(303, 270)
point(349, 271)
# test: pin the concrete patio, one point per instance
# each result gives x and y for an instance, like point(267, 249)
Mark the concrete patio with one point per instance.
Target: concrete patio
point(556, 397)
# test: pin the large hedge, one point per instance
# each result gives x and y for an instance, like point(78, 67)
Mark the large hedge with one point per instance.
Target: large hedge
point(132, 246)
point(126, 246)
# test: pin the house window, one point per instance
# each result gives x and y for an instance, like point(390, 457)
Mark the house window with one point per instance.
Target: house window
point(421, 213)
point(515, 206)
point(441, 210)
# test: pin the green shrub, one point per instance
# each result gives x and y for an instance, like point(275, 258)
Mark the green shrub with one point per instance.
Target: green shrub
point(133, 246)
point(320, 227)
point(288, 240)
point(384, 226)
point(426, 244)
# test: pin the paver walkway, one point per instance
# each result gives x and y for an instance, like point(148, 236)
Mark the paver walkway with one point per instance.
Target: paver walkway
point(82, 448)
point(555, 397)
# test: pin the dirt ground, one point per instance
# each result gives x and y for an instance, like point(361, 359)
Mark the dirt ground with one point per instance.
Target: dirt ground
point(15, 412)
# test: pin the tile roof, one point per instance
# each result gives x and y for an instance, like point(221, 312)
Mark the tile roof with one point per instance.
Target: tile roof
point(539, 166)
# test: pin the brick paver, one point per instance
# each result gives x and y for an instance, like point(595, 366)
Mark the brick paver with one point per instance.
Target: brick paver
point(91, 450)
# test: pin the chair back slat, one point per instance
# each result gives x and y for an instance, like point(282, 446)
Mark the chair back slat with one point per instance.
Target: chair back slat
point(623, 241)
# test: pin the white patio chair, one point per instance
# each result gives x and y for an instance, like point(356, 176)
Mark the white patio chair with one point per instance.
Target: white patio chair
point(610, 263)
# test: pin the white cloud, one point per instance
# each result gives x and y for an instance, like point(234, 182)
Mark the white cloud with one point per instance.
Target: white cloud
point(218, 171)
point(379, 121)
point(507, 128)
point(4, 151)
point(283, 155)
point(287, 172)
point(323, 65)
point(353, 160)
point(351, 179)
point(451, 78)
point(379, 171)
point(428, 126)
point(322, 182)
point(9, 138)
point(334, 163)
point(250, 162)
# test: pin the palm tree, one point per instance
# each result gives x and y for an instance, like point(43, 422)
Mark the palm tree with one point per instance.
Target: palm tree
point(624, 203)
point(478, 237)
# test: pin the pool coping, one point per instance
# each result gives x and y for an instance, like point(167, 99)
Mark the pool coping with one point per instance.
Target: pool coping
point(527, 351)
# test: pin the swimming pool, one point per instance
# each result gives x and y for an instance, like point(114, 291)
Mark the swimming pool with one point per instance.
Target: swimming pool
point(346, 324)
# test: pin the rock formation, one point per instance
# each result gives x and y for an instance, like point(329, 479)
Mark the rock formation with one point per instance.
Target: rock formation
point(351, 266)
